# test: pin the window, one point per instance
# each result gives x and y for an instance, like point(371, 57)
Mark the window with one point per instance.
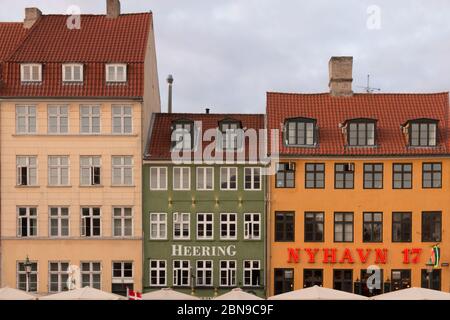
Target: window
point(181, 178)
point(58, 170)
point(158, 273)
point(423, 133)
point(314, 224)
point(25, 119)
point(361, 133)
point(344, 175)
point(227, 273)
point(204, 273)
point(401, 279)
point(122, 119)
point(31, 72)
point(26, 170)
point(343, 227)
point(431, 226)
point(181, 273)
point(91, 275)
point(232, 135)
point(122, 277)
point(158, 226)
point(284, 226)
point(363, 286)
point(252, 226)
point(372, 227)
point(181, 226)
point(300, 132)
point(431, 280)
point(205, 224)
point(122, 222)
point(90, 119)
point(401, 226)
point(228, 178)
point(72, 72)
point(373, 176)
point(182, 135)
point(285, 175)
point(27, 222)
point(432, 175)
point(314, 175)
point(58, 276)
point(252, 179)
point(228, 226)
point(284, 281)
point(22, 277)
point(158, 178)
point(122, 170)
point(205, 178)
point(402, 176)
point(90, 222)
point(90, 168)
point(59, 221)
point(312, 277)
point(58, 119)
point(116, 73)
point(252, 273)
point(343, 280)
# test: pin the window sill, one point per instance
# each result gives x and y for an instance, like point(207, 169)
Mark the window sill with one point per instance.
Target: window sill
point(94, 186)
point(27, 187)
point(58, 187)
point(74, 135)
point(122, 186)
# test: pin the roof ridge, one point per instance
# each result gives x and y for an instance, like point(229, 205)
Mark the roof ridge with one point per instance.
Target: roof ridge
point(362, 94)
point(97, 14)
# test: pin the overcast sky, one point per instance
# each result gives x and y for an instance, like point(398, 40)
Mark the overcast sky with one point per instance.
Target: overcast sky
point(226, 54)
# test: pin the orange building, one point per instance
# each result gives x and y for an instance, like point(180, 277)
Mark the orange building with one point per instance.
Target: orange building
point(360, 200)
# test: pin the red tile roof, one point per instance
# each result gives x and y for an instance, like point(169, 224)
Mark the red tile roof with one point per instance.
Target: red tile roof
point(391, 111)
point(159, 144)
point(11, 34)
point(99, 41)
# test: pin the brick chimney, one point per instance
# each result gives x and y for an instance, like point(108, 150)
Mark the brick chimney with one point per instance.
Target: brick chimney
point(341, 76)
point(112, 9)
point(31, 16)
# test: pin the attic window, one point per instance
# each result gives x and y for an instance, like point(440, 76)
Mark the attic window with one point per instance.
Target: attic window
point(231, 131)
point(182, 135)
point(116, 73)
point(72, 72)
point(361, 132)
point(31, 72)
point(422, 132)
point(300, 132)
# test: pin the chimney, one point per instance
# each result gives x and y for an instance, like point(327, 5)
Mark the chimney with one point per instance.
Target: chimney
point(31, 16)
point(207, 110)
point(169, 100)
point(112, 9)
point(341, 76)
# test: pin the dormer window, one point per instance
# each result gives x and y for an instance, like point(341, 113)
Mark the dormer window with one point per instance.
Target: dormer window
point(361, 132)
point(231, 131)
point(116, 73)
point(72, 72)
point(422, 132)
point(183, 135)
point(300, 132)
point(31, 72)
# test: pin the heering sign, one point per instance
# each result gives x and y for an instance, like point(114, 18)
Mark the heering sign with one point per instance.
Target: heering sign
point(179, 250)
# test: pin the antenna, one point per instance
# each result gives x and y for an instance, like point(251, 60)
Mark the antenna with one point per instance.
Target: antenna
point(368, 88)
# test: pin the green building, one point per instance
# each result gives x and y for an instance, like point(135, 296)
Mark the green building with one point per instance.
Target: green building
point(204, 222)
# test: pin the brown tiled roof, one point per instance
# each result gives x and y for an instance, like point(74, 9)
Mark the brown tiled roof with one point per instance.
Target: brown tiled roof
point(159, 144)
point(391, 111)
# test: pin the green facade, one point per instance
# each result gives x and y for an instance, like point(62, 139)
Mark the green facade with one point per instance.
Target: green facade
point(218, 201)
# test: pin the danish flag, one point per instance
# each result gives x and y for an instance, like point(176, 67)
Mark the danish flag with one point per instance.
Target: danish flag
point(133, 295)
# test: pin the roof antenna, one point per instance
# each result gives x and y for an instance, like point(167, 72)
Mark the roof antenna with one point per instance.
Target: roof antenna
point(368, 88)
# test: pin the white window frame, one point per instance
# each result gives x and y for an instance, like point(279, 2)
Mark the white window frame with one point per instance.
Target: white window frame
point(252, 178)
point(231, 273)
point(180, 187)
point(60, 273)
point(205, 223)
point(159, 175)
point(122, 217)
point(28, 167)
point(228, 174)
point(158, 270)
point(58, 115)
point(29, 115)
point(178, 220)
point(181, 269)
point(58, 217)
point(91, 272)
point(18, 273)
point(122, 279)
point(227, 224)
point(203, 271)
point(91, 167)
point(59, 167)
point(112, 78)
point(28, 218)
point(91, 216)
point(31, 66)
point(203, 186)
point(251, 269)
point(90, 116)
point(250, 235)
point(122, 116)
point(161, 224)
point(72, 67)
point(122, 167)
